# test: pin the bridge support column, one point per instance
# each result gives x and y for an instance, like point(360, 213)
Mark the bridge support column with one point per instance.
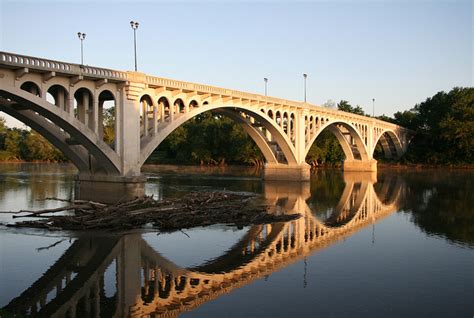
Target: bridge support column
point(284, 172)
point(108, 189)
point(360, 165)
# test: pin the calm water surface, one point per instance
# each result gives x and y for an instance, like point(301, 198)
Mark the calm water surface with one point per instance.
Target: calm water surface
point(392, 244)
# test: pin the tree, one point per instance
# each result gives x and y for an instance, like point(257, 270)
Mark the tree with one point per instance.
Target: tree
point(444, 126)
point(346, 107)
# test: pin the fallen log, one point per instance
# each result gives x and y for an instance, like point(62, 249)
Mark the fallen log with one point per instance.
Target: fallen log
point(194, 209)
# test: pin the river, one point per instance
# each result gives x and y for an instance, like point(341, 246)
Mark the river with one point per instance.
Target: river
point(386, 244)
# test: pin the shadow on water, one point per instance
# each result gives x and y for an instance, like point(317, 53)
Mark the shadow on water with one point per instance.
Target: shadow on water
point(143, 282)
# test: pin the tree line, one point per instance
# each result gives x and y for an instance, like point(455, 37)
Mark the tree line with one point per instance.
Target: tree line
point(443, 126)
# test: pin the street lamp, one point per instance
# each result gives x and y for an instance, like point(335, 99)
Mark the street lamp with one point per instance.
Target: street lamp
point(81, 37)
point(373, 107)
point(305, 76)
point(266, 81)
point(134, 26)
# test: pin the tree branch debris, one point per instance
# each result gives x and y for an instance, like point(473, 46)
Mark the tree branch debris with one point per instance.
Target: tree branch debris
point(194, 209)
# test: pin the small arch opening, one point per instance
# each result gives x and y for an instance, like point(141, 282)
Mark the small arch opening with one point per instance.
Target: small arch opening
point(58, 95)
point(164, 109)
point(146, 110)
point(83, 106)
point(107, 118)
point(31, 88)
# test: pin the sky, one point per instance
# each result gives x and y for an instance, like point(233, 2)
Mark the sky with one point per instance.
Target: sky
point(398, 52)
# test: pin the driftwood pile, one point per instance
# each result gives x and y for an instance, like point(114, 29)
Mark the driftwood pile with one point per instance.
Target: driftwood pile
point(194, 209)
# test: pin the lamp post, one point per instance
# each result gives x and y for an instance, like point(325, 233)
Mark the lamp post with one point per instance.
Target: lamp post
point(266, 81)
point(81, 37)
point(305, 76)
point(134, 26)
point(373, 107)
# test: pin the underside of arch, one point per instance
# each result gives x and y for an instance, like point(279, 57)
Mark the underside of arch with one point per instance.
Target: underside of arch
point(344, 134)
point(391, 145)
point(50, 132)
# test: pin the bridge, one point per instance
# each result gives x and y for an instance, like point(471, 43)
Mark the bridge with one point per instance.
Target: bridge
point(65, 103)
point(146, 284)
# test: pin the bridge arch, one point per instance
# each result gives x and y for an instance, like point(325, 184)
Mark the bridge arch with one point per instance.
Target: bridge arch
point(351, 141)
point(243, 114)
point(391, 144)
point(71, 136)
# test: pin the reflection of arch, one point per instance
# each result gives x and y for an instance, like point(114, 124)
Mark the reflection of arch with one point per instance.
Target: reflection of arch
point(149, 283)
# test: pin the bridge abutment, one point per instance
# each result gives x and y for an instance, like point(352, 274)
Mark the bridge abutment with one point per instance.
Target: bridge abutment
point(282, 172)
point(360, 165)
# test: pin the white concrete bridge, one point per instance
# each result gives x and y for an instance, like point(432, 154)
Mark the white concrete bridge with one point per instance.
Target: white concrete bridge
point(65, 103)
point(149, 285)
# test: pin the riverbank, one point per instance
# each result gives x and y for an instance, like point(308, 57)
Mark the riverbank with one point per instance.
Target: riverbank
point(409, 166)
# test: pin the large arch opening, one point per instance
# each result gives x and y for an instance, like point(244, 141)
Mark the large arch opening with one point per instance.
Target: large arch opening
point(210, 138)
point(275, 146)
point(336, 143)
point(387, 147)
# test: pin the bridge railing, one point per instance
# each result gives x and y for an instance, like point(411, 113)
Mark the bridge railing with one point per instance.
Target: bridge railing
point(60, 67)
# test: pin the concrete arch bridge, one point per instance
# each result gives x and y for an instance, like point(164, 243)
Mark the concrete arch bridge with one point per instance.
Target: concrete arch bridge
point(148, 284)
point(66, 103)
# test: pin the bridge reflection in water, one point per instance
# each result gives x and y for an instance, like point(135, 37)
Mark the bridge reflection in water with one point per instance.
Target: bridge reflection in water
point(146, 283)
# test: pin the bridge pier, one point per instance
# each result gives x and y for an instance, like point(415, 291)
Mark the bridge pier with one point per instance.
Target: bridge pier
point(360, 165)
point(108, 189)
point(283, 172)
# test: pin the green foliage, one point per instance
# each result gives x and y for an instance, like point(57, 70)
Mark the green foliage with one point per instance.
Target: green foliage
point(109, 125)
point(208, 139)
point(21, 144)
point(36, 147)
point(326, 150)
point(444, 126)
point(346, 107)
